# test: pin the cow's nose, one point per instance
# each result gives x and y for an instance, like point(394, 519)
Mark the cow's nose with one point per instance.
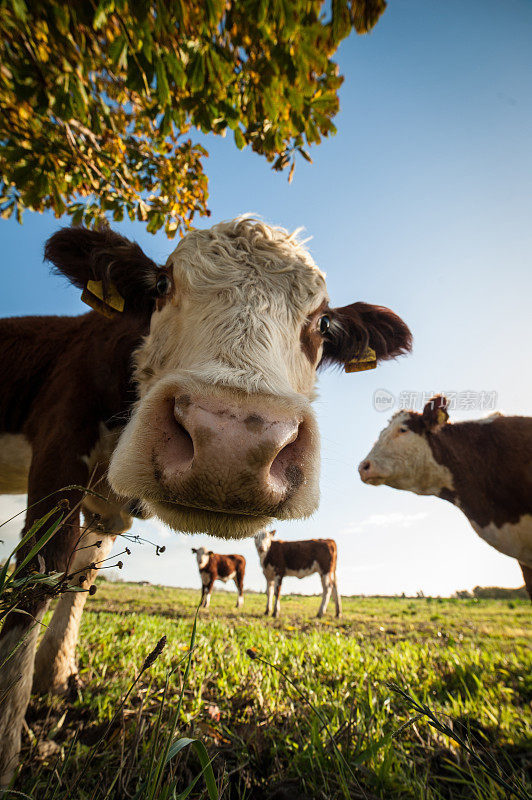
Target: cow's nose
point(364, 469)
point(232, 457)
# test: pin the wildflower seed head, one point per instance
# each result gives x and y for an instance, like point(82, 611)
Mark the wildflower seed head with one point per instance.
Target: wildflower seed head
point(155, 653)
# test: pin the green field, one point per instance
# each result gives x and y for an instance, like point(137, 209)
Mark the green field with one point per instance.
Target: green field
point(468, 661)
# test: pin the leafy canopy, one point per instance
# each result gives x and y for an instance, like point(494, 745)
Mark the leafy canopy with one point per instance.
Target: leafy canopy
point(98, 99)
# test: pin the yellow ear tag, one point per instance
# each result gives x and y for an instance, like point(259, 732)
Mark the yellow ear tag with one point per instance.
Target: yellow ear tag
point(368, 360)
point(441, 417)
point(108, 304)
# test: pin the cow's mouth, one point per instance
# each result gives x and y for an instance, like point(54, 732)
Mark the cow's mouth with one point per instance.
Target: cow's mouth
point(373, 480)
point(191, 518)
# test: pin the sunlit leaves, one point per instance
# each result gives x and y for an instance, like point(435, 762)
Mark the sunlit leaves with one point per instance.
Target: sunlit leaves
point(97, 98)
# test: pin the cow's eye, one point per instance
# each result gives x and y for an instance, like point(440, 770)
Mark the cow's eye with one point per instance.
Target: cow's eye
point(403, 429)
point(163, 285)
point(324, 323)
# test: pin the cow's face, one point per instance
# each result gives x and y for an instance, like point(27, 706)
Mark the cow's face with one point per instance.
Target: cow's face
point(202, 556)
point(263, 542)
point(223, 437)
point(403, 457)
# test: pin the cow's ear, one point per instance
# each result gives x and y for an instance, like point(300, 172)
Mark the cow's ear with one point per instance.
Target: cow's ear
point(114, 273)
point(272, 533)
point(355, 328)
point(194, 549)
point(210, 553)
point(435, 412)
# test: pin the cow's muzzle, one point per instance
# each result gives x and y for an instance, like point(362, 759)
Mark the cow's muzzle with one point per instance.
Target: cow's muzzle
point(192, 448)
point(236, 457)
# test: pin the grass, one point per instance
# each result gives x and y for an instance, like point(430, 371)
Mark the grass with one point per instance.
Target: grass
point(344, 712)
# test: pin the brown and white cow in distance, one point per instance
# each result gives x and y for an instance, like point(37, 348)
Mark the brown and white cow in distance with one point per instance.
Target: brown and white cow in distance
point(483, 466)
point(217, 567)
point(205, 368)
point(280, 559)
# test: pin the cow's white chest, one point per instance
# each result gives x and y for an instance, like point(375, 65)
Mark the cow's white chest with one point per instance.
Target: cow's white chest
point(514, 540)
point(15, 460)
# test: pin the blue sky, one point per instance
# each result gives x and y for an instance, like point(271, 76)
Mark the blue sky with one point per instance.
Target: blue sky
point(421, 202)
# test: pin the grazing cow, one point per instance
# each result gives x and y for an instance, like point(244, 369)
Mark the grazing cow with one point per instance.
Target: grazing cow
point(217, 567)
point(299, 559)
point(205, 368)
point(483, 466)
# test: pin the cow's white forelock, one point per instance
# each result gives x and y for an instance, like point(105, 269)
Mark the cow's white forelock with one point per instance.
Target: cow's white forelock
point(202, 557)
point(243, 291)
point(263, 541)
point(405, 460)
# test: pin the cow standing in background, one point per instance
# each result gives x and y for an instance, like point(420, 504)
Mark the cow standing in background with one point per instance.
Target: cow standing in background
point(483, 466)
point(217, 567)
point(298, 559)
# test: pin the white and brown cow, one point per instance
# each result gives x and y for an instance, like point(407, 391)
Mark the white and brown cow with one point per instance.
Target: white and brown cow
point(483, 466)
point(217, 567)
point(281, 559)
point(204, 367)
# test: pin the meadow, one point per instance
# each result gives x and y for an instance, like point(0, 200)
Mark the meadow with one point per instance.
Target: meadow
point(349, 717)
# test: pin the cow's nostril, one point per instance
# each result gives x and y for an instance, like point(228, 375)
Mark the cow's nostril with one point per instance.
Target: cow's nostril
point(182, 443)
point(364, 467)
point(286, 468)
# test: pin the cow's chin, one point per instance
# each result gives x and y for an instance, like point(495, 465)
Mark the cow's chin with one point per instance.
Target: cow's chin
point(222, 525)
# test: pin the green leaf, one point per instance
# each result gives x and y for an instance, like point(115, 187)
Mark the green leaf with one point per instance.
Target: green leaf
point(100, 15)
point(118, 52)
point(239, 139)
point(205, 762)
point(197, 75)
point(20, 9)
point(163, 90)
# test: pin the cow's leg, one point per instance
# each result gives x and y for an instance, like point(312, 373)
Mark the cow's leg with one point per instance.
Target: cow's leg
point(239, 583)
point(55, 662)
point(527, 575)
point(269, 597)
point(336, 596)
point(327, 582)
point(277, 593)
point(54, 466)
point(207, 594)
point(17, 653)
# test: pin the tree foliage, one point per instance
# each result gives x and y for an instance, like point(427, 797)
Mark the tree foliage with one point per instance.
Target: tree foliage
point(98, 99)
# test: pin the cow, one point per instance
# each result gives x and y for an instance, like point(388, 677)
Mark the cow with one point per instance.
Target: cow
point(202, 370)
point(216, 567)
point(482, 466)
point(298, 559)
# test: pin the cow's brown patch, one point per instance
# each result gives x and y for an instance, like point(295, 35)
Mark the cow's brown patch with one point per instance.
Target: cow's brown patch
point(254, 423)
point(182, 402)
